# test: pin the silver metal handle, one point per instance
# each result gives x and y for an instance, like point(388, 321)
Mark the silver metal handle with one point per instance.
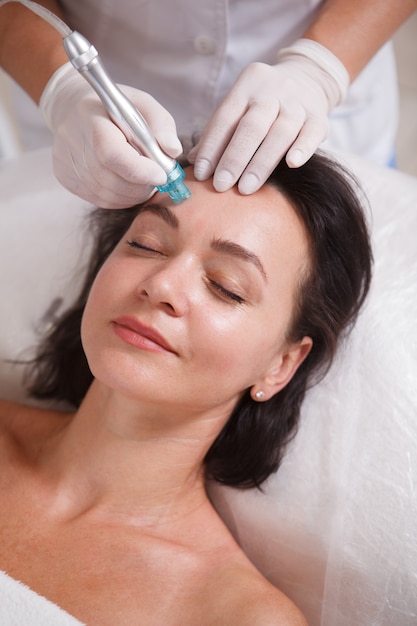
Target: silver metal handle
point(84, 57)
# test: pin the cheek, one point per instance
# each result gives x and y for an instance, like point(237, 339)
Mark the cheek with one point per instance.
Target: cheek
point(89, 327)
point(99, 302)
point(106, 289)
point(241, 345)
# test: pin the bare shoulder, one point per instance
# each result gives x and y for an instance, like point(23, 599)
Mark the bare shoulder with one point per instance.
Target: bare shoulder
point(20, 424)
point(265, 605)
point(272, 608)
point(253, 601)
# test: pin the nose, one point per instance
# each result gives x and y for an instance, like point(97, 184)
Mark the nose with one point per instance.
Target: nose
point(168, 286)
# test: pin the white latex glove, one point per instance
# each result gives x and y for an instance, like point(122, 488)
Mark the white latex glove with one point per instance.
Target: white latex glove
point(91, 156)
point(271, 109)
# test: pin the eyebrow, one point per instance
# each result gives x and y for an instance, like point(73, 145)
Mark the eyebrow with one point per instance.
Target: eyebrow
point(238, 251)
point(224, 246)
point(163, 212)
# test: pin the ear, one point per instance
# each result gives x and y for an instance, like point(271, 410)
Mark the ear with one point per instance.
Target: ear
point(282, 369)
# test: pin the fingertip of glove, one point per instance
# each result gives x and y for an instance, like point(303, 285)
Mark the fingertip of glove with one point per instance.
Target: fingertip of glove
point(202, 169)
point(223, 180)
point(173, 148)
point(249, 183)
point(295, 158)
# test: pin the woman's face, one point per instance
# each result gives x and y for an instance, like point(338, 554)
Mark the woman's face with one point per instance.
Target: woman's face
point(193, 305)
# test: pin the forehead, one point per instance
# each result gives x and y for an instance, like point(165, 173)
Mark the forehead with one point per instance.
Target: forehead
point(261, 220)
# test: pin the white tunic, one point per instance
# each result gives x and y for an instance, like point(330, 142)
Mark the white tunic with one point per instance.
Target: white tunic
point(188, 54)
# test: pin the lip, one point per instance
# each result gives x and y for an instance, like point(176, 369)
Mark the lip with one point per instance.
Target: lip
point(130, 330)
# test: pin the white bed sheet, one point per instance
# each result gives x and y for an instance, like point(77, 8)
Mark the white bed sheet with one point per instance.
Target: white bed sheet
point(336, 528)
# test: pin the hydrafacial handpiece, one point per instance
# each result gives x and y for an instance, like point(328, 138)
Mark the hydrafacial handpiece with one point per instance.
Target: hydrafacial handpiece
point(85, 59)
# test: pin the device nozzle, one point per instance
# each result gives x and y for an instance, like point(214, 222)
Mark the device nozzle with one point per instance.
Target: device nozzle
point(175, 187)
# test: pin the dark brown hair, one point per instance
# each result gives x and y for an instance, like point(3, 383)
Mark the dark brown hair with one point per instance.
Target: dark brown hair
point(250, 446)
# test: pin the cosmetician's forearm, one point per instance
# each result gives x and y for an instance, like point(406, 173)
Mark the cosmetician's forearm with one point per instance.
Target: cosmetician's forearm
point(30, 48)
point(354, 30)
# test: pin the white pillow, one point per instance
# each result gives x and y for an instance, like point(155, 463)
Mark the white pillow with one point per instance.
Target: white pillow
point(42, 246)
point(337, 526)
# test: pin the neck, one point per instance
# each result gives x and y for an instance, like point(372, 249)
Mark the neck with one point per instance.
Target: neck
point(124, 460)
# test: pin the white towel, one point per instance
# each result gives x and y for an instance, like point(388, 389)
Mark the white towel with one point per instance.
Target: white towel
point(20, 606)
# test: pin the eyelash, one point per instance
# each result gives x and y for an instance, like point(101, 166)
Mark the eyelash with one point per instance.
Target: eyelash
point(135, 244)
point(225, 293)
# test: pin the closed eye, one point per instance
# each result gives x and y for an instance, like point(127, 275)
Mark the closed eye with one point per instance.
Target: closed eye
point(226, 293)
point(140, 246)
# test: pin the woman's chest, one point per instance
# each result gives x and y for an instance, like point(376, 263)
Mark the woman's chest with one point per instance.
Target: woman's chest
point(97, 573)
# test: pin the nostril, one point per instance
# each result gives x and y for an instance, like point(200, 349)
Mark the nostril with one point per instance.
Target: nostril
point(169, 307)
point(157, 297)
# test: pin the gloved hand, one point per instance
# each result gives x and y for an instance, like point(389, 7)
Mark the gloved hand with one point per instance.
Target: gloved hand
point(271, 109)
point(91, 155)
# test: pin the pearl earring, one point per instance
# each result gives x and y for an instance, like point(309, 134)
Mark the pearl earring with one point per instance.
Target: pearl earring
point(259, 395)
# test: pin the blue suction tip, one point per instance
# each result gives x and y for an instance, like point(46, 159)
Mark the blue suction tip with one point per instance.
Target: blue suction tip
point(175, 187)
